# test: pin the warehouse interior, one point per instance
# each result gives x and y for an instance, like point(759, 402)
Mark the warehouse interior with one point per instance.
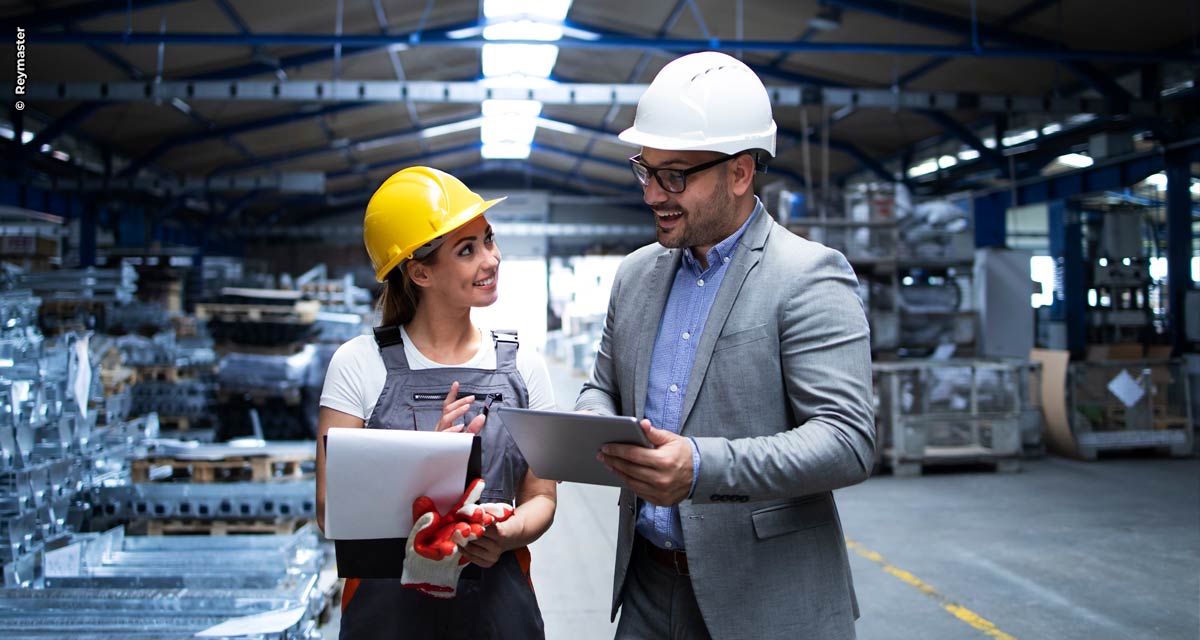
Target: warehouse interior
point(1016, 184)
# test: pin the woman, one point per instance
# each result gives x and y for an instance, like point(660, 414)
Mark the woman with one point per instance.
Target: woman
point(428, 240)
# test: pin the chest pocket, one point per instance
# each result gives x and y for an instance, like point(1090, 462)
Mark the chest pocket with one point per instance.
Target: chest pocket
point(501, 460)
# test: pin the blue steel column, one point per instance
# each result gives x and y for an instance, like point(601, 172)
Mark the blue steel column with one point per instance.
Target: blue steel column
point(1179, 243)
point(1066, 247)
point(991, 224)
point(87, 236)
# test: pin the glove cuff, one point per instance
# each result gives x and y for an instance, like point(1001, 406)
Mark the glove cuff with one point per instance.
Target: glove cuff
point(436, 579)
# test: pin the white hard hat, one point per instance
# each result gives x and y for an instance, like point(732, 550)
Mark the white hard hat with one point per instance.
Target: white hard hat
point(705, 101)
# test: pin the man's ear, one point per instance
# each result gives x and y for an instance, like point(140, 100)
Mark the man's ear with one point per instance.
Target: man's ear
point(419, 273)
point(742, 172)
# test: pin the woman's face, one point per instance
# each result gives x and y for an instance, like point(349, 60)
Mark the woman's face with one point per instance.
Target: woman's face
point(467, 269)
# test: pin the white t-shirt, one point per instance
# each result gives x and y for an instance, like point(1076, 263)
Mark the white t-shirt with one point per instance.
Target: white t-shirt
point(356, 373)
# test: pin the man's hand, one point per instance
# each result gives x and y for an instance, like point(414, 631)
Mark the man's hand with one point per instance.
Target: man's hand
point(454, 408)
point(661, 476)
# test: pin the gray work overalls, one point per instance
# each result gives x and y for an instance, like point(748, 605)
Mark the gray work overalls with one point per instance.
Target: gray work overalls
point(498, 602)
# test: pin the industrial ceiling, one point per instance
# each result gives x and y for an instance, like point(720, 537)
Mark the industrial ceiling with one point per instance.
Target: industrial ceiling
point(291, 111)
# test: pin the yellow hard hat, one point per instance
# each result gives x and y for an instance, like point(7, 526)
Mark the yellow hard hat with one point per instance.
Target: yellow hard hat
point(414, 208)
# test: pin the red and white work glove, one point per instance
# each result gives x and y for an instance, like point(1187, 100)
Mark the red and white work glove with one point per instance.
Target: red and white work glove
point(433, 558)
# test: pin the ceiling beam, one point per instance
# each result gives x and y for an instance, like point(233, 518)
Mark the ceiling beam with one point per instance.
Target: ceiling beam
point(1027, 49)
point(63, 16)
point(363, 92)
point(968, 137)
point(948, 23)
point(230, 130)
point(1013, 18)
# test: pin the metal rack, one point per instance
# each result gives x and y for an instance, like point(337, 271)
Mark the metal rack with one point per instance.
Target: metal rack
point(1119, 405)
point(933, 412)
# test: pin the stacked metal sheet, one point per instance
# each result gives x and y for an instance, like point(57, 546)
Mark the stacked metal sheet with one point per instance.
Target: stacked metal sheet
point(100, 285)
point(250, 371)
point(45, 434)
point(111, 586)
point(135, 317)
point(243, 485)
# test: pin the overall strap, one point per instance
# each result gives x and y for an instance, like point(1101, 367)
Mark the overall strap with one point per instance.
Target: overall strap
point(391, 347)
point(506, 349)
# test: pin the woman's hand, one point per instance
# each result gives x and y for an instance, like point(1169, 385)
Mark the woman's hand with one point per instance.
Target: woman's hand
point(497, 539)
point(454, 408)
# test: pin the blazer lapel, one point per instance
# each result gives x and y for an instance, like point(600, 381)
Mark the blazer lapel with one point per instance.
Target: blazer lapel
point(650, 305)
point(747, 255)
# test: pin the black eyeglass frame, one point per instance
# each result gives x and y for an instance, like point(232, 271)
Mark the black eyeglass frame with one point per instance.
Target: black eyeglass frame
point(636, 161)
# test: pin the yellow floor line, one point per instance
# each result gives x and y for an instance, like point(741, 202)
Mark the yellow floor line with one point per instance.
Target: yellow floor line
point(955, 609)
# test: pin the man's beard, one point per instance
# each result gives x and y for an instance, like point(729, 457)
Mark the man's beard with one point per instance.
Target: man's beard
point(704, 225)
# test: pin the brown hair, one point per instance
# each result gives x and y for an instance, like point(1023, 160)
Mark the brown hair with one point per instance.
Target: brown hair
point(400, 297)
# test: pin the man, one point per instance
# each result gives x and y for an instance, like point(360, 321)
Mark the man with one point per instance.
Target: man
point(747, 350)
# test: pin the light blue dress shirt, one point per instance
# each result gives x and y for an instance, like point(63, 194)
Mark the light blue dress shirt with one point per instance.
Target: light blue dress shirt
point(691, 297)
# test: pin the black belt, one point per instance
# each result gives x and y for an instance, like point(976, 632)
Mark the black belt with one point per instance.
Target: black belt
point(672, 560)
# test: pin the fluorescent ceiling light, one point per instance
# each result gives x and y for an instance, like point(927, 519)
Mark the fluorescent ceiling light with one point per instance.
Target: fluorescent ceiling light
point(968, 154)
point(523, 30)
point(1159, 180)
point(828, 18)
point(946, 162)
point(989, 143)
point(523, 59)
point(580, 34)
point(505, 150)
point(1077, 160)
point(547, 9)
point(927, 167)
point(451, 127)
point(1196, 188)
point(555, 125)
point(465, 32)
point(1018, 138)
point(1053, 127)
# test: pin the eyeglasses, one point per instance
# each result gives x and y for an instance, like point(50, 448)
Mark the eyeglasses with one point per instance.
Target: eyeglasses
point(671, 180)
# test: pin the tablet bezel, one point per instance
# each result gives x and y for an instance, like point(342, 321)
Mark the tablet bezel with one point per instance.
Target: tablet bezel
point(561, 445)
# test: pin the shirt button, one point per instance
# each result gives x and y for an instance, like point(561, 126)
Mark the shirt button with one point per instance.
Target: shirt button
point(674, 388)
point(686, 335)
point(700, 282)
point(726, 258)
point(668, 544)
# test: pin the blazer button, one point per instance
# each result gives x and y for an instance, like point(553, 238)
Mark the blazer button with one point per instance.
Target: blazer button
point(743, 498)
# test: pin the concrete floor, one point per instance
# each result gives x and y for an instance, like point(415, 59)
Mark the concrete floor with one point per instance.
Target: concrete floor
point(1063, 549)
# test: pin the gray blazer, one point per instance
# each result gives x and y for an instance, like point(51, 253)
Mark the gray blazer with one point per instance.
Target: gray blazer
point(779, 404)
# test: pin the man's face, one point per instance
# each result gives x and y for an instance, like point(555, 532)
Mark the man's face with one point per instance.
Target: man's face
point(702, 215)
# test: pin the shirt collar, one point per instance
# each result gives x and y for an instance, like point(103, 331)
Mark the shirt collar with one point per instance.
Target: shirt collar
point(724, 249)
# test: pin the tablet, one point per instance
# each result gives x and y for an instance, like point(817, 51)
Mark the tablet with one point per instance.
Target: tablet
point(559, 445)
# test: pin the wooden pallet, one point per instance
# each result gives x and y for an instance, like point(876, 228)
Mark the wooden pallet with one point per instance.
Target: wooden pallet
point(178, 423)
point(117, 379)
point(224, 527)
point(969, 456)
point(233, 469)
point(164, 373)
point(299, 312)
point(71, 305)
